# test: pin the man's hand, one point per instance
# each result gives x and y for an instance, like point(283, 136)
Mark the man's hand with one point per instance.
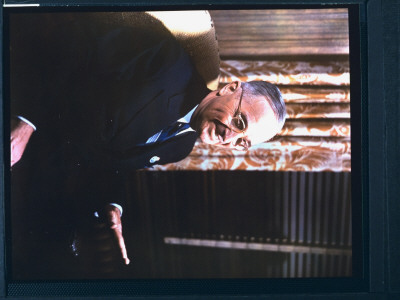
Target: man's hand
point(113, 217)
point(20, 135)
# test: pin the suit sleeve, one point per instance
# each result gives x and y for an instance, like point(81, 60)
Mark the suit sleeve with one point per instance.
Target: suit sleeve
point(52, 66)
point(42, 63)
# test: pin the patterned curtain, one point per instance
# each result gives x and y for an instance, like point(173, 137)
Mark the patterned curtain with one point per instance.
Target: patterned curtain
point(316, 89)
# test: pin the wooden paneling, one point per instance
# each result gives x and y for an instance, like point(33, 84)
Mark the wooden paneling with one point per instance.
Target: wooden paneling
point(300, 214)
point(281, 32)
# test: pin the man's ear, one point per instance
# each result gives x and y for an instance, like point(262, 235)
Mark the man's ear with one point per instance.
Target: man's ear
point(229, 88)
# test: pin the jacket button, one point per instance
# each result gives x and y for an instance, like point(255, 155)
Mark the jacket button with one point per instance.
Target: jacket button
point(154, 159)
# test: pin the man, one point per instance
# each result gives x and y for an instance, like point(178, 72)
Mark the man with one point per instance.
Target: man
point(97, 101)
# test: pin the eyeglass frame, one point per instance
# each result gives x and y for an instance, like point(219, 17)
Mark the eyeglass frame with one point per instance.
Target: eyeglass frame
point(238, 116)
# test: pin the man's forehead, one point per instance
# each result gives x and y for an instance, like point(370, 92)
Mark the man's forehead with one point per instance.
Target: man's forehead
point(258, 107)
point(263, 123)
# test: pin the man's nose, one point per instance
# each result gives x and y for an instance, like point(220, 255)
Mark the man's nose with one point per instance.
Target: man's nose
point(231, 137)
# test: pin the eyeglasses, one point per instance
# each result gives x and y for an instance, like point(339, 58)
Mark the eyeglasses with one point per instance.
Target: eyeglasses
point(238, 125)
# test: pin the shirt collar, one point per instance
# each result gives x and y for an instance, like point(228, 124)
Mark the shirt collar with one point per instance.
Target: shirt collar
point(188, 116)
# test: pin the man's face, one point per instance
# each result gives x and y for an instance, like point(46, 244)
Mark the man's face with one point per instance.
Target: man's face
point(213, 119)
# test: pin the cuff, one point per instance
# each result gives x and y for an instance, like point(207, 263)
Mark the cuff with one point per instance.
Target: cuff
point(118, 206)
point(27, 122)
point(96, 213)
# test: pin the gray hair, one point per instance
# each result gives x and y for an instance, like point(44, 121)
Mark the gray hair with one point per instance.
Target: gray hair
point(271, 93)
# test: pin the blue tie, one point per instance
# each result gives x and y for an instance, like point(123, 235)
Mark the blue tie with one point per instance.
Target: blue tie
point(172, 131)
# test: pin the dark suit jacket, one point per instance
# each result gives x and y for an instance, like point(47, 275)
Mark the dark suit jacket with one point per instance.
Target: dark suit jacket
point(97, 92)
point(104, 88)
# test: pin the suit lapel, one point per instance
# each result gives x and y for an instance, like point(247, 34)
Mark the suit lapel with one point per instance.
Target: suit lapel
point(156, 114)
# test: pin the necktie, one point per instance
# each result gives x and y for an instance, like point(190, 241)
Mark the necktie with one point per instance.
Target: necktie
point(172, 131)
